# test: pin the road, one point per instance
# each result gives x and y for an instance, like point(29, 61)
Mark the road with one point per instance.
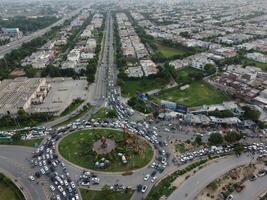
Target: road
point(17, 43)
point(101, 75)
point(14, 163)
point(252, 190)
point(195, 184)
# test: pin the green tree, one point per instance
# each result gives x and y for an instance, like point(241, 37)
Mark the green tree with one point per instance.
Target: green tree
point(215, 139)
point(111, 113)
point(198, 140)
point(16, 137)
point(232, 137)
point(251, 113)
point(210, 69)
point(238, 149)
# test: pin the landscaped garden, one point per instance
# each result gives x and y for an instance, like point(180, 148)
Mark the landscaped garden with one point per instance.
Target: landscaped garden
point(106, 150)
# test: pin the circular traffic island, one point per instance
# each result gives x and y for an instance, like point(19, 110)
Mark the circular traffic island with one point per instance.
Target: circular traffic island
point(107, 150)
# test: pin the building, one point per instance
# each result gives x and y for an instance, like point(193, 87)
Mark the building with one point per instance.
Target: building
point(12, 32)
point(21, 93)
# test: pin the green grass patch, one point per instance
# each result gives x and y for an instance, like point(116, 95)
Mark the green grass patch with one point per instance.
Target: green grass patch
point(169, 52)
point(104, 113)
point(78, 149)
point(73, 106)
point(106, 194)
point(249, 62)
point(180, 148)
point(129, 88)
point(30, 143)
point(8, 190)
point(199, 93)
point(85, 109)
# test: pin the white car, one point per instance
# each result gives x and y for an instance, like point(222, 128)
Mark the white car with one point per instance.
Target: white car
point(60, 188)
point(146, 177)
point(42, 171)
point(72, 184)
point(52, 188)
point(31, 178)
point(230, 197)
point(153, 179)
point(144, 188)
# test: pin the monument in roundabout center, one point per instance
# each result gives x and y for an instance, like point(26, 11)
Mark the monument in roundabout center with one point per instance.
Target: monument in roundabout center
point(104, 146)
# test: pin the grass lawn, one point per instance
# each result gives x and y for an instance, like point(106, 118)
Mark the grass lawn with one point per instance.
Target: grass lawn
point(29, 143)
point(107, 195)
point(102, 113)
point(199, 93)
point(77, 148)
point(74, 105)
point(246, 62)
point(130, 87)
point(169, 52)
point(187, 74)
point(8, 190)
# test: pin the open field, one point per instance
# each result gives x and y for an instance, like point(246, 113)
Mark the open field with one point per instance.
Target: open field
point(8, 191)
point(78, 149)
point(199, 93)
point(169, 52)
point(107, 195)
point(144, 85)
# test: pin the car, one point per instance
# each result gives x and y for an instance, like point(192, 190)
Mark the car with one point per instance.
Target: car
point(52, 188)
point(230, 197)
point(252, 178)
point(72, 184)
point(144, 188)
point(261, 173)
point(31, 178)
point(58, 197)
point(42, 171)
point(60, 188)
point(153, 179)
point(76, 196)
point(146, 177)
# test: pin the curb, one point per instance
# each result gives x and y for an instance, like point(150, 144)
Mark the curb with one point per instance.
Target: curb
point(102, 172)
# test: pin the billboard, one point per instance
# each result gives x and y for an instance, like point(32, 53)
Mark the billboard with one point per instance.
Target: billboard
point(173, 106)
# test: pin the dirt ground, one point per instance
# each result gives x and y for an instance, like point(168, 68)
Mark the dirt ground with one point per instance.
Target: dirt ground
point(236, 176)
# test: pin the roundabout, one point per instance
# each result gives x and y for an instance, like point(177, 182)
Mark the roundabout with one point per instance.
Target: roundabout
point(107, 150)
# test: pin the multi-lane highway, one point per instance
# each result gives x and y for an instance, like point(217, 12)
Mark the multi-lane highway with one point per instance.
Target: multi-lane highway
point(17, 43)
point(101, 78)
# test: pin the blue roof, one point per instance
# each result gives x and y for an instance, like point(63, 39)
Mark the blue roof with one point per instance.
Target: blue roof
point(12, 30)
